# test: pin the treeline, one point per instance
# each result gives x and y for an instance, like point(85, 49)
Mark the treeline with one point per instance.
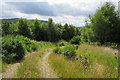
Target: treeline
point(40, 31)
point(103, 26)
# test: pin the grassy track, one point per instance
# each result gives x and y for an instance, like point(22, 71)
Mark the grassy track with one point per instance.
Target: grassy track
point(28, 68)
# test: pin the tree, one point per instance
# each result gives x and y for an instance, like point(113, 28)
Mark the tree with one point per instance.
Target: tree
point(77, 31)
point(13, 28)
point(83, 35)
point(65, 32)
point(44, 33)
point(5, 28)
point(71, 31)
point(23, 28)
point(59, 31)
point(36, 30)
point(104, 23)
point(52, 30)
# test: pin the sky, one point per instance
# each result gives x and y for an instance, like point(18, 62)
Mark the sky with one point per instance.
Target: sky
point(61, 11)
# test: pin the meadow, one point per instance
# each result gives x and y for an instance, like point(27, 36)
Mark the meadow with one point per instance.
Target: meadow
point(90, 61)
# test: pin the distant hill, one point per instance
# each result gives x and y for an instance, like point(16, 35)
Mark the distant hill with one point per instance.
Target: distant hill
point(16, 19)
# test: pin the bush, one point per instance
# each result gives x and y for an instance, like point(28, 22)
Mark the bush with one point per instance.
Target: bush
point(62, 44)
point(69, 51)
point(12, 48)
point(30, 45)
point(57, 50)
point(75, 40)
point(34, 47)
point(28, 48)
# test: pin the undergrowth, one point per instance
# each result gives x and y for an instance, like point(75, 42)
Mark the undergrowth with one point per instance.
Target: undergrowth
point(90, 62)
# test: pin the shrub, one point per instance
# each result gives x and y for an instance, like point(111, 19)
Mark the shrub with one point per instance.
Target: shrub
point(61, 44)
point(27, 41)
point(57, 50)
point(28, 48)
point(12, 48)
point(69, 51)
point(10, 58)
point(75, 40)
point(34, 47)
point(30, 45)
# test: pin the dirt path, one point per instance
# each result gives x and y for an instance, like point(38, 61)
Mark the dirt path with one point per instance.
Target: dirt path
point(10, 72)
point(45, 68)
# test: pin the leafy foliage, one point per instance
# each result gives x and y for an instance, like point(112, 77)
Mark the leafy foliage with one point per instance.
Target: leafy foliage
point(75, 40)
point(24, 28)
point(67, 51)
point(5, 28)
point(103, 26)
point(61, 44)
point(14, 47)
point(40, 31)
point(57, 50)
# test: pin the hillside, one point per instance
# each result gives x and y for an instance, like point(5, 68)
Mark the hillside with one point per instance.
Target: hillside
point(16, 19)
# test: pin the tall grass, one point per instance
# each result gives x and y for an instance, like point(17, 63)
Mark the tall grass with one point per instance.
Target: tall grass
point(102, 56)
point(43, 44)
point(90, 62)
point(64, 67)
point(28, 68)
point(4, 66)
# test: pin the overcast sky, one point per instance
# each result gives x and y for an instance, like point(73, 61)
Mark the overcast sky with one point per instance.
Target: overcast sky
point(61, 11)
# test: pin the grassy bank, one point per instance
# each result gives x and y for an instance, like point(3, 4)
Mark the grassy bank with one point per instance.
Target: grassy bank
point(4, 66)
point(90, 61)
point(27, 68)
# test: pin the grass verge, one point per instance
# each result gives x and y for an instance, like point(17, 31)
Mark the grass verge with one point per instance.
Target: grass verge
point(4, 66)
point(90, 62)
point(28, 68)
point(105, 58)
point(64, 67)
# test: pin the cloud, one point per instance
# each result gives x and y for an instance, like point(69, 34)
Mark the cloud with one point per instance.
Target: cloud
point(41, 8)
point(66, 9)
point(46, 9)
point(62, 11)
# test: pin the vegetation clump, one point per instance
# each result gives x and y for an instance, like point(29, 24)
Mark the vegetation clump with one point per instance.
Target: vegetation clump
point(57, 50)
point(67, 51)
point(15, 47)
point(75, 40)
